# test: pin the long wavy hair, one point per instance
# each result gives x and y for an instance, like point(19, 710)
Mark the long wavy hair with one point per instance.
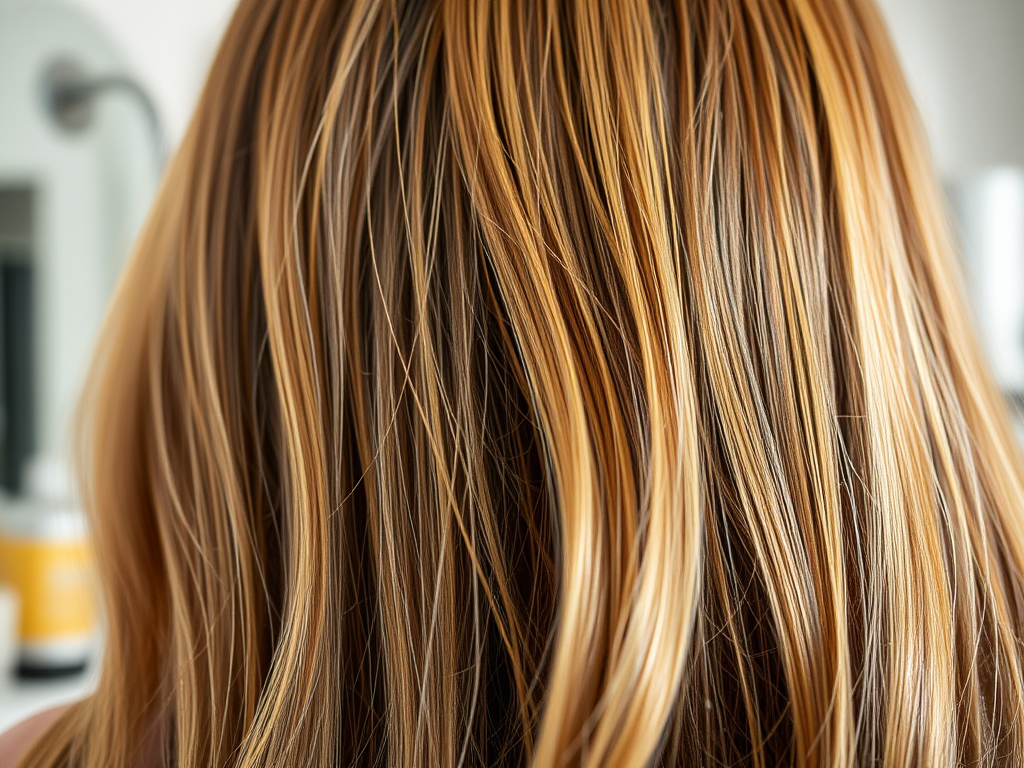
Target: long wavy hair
point(566, 382)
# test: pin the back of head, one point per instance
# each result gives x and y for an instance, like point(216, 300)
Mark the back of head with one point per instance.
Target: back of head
point(553, 383)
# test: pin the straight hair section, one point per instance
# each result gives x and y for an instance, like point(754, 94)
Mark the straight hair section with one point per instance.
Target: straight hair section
point(567, 383)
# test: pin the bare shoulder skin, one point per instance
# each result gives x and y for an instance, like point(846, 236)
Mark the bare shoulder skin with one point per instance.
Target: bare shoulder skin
point(15, 742)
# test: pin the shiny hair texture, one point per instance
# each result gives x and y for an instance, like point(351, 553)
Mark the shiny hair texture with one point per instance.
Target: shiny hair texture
point(550, 383)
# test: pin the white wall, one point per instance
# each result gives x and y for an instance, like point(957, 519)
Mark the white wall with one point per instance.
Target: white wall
point(168, 46)
point(964, 60)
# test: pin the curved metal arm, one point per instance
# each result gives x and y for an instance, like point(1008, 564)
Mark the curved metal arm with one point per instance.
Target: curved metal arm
point(69, 95)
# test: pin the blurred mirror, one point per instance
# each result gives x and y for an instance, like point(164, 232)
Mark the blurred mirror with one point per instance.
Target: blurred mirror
point(83, 140)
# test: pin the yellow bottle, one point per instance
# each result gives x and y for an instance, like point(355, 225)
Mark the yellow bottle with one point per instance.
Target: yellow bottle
point(45, 556)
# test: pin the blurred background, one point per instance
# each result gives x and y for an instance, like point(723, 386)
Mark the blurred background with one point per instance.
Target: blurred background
point(95, 94)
